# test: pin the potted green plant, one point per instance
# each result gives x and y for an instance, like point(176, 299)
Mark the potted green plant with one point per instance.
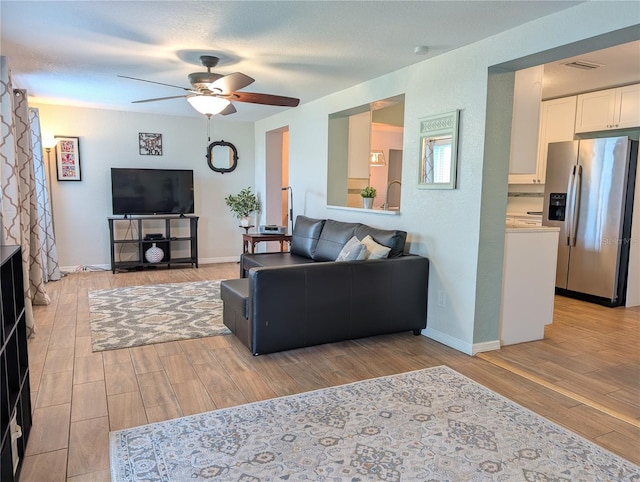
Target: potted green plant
point(368, 193)
point(243, 205)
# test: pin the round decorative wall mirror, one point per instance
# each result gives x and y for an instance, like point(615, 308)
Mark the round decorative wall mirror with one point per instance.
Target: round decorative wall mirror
point(222, 156)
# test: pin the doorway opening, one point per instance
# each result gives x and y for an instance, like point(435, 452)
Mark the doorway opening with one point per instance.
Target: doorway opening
point(279, 193)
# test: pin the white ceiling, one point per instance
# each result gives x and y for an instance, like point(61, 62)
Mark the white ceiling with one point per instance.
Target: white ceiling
point(70, 52)
point(617, 65)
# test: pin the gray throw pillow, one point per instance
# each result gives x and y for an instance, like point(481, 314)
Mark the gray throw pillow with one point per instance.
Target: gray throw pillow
point(353, 250)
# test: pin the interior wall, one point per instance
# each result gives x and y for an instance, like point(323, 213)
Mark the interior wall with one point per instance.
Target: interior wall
point(383, 138)
point(110, 139)
point(461, 231)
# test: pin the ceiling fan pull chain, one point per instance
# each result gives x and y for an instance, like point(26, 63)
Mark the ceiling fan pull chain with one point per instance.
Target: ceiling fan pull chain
point(208, 127)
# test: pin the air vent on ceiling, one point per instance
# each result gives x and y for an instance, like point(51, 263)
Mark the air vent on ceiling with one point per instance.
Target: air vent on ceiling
point(583, 65)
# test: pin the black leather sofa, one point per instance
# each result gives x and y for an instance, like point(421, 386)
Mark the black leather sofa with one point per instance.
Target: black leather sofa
point(304, 297)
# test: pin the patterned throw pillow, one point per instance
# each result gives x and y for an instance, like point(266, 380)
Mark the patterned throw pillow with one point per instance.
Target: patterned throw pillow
point(375, 250)
point(353, 250)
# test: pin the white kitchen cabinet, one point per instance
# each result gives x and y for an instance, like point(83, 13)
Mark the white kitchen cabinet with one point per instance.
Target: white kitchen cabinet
point(609, 109)
point(359, 149)
point(525, 124)
point(557, 124)
point(528, 283)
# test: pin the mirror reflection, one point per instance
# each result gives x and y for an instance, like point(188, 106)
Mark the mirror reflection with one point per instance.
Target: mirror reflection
point(365, 149)
point(438, 151)
point(436, 160)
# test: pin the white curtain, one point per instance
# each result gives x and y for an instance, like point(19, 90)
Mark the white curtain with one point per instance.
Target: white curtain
point(48, 253)
point(19, 219)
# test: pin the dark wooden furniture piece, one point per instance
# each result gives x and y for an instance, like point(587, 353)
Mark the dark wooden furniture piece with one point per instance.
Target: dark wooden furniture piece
point(139, 227)
point(15, 401)
point(251, 239)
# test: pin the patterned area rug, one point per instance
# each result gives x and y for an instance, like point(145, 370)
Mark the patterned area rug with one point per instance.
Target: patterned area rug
point(428, 425)
point(141, 315)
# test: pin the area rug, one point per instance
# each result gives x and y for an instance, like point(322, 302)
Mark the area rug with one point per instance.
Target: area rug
point(428, 425)
point(140, 315)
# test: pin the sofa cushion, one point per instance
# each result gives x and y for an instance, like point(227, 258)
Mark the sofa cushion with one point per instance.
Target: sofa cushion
point(333, 237)
point(354, 250)
point(375, 250)
point(392, 238)
point(305, 236)
point(261, 260)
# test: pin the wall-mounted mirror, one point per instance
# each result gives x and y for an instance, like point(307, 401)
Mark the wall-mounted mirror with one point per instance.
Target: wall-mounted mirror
point(222, 156)
point(438, 151)
point(365, 149)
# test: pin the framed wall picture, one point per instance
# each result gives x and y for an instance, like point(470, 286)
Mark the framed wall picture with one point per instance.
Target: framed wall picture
point(150, 144)
point(68, 158)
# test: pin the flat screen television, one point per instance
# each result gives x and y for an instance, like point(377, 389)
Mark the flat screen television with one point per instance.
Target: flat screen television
point(152, 191)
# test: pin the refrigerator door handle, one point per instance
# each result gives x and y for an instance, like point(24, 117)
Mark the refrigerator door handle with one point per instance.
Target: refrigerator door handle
point(570, 204)
point(575, 205)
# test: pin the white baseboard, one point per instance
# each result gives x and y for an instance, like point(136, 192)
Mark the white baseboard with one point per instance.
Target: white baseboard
point(486, 346)
point(457, 344)
point(84, 268)
point(107, 267)
point(228, 259)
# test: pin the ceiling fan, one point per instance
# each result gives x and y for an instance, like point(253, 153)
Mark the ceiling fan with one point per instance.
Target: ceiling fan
point(212, 93)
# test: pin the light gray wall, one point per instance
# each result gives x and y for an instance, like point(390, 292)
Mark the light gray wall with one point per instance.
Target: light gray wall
point(110, 139)
point(461, 231)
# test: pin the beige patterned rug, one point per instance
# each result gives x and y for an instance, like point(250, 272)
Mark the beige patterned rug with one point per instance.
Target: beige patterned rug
point(141, 315)
point(428, 425)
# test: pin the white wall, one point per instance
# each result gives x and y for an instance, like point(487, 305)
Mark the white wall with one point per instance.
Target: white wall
point(110, 139)
point(461, 231)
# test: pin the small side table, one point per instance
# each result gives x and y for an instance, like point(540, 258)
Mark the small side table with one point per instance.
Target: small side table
point(247, 228)
point(251, 239)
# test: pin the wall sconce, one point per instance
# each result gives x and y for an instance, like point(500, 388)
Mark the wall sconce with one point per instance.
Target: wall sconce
point(377, 159)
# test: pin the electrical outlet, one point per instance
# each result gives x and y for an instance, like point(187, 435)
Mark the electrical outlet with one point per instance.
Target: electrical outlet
point(442, 298)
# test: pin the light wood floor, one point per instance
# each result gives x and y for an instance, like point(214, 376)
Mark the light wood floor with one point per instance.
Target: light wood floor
point(584, 375)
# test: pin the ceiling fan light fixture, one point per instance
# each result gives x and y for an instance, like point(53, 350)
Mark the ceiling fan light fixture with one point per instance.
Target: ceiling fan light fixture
point(207, 104)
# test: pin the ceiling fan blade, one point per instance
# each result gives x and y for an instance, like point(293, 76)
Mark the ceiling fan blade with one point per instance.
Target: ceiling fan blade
point(266, 99)
point(230, 109)
point(159, 98)
point(153, 82)
point(231, 82)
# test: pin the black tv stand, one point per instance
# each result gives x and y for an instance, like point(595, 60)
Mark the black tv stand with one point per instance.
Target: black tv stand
point(178, 241)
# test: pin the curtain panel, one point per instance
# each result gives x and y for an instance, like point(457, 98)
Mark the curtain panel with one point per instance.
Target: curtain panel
point(18, 202)
point(48, 253)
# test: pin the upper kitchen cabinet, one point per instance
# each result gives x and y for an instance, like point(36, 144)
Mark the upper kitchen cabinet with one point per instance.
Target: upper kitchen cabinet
point(557, 122)
point(359, 145)
point(525, 122)
point(608, 109)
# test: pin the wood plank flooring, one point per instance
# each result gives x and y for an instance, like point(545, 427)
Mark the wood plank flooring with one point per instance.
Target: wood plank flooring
point(584, 375)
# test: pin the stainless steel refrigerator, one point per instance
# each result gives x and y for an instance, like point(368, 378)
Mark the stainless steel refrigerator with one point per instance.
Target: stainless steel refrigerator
point(589, 190)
